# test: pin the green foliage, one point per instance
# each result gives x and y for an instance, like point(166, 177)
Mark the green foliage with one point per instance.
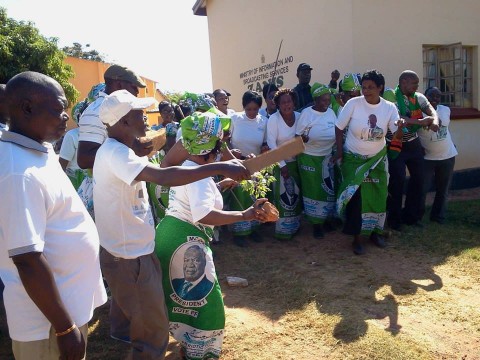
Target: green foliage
point(173, 97)
point(77, 50)
point(22, 48)
point(259, 184)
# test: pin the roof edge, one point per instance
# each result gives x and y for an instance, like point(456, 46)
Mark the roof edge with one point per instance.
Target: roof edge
point(200, 8)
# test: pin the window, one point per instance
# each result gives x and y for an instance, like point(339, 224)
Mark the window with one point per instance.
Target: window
point(450, 68)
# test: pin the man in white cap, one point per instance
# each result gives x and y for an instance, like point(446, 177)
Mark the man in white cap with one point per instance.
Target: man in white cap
point(125, 222)
point(92, 131)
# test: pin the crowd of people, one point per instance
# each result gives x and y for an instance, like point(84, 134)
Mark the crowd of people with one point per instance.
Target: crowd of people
point(107, 211)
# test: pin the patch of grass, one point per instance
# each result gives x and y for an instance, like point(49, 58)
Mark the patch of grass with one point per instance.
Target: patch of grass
point(459, 236)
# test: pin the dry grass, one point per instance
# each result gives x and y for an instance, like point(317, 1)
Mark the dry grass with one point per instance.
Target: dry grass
point(314, 299)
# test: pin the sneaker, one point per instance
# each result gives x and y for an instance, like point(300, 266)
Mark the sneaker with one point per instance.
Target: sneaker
point(318, 231)
point(256, 237)
point(124, 339)
point(378, 240)
point(358, 248)
point(240, 241)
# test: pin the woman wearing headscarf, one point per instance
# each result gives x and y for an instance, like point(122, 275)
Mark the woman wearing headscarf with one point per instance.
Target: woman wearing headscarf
point(248, 135)
point(363, 192)
point(182, 243)
point(316, 125)
point(286, 190)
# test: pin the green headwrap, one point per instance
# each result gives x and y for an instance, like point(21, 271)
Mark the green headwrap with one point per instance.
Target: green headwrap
point(197, 101)
point(350, 82)
point(201, 131)
point(389, 94)
point(319, 90)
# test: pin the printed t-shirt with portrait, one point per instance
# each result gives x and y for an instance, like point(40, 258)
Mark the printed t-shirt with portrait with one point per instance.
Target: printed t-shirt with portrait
point(122, 211)
point(438, 145)
point(321, 131)
point(367, 125)
point(248, 135)
point(194, 201)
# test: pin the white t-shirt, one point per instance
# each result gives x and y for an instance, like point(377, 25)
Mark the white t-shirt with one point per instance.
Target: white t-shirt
point(438, 145)
point(367, 124)
point(194, 201)
point(248, 135)
point(91, 127)
point(40, 211)
point(264, 113)
point(122, 211)
point(320, 127)
point(68, 151)
point(278, 132)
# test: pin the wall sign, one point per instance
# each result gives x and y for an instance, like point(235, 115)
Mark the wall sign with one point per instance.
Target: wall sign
point(256, 78)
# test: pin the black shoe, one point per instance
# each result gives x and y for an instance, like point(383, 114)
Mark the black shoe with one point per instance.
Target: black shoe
point(240, 241)
point(437, 220)
point(416, 224)
point(317, 231)
point(394, 225)
point(358, 248)
point(256, 237)
point(378, 240)
point(328, 226)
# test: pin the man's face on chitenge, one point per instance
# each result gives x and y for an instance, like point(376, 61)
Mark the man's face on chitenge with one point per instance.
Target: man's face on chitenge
point(193, 264)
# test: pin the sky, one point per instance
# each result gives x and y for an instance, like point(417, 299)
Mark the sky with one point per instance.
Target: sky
point(159, 39)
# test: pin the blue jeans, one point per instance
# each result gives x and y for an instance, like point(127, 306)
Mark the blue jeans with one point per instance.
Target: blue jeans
point(441, 171)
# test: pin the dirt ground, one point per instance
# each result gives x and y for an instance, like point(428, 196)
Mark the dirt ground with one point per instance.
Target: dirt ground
point(401, 289)
point(399, 292)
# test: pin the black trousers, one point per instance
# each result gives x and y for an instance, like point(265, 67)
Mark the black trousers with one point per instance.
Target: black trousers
point(411, 158)
point(441, 172)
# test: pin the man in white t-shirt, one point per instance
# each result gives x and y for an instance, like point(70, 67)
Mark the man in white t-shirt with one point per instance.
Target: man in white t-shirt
point(125, 222)
point(49, 257)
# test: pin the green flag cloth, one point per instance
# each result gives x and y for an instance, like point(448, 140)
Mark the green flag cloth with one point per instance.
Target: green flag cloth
point(192, 292)
point(368, 175)
point(408, 106)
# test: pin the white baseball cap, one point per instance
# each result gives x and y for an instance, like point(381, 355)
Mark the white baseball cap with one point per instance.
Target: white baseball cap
point(119, 103)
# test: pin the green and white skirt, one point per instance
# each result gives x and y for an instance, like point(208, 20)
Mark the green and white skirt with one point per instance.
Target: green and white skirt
point(195, 309)
point(370, 177)
point(287, 198)
point(318, 187)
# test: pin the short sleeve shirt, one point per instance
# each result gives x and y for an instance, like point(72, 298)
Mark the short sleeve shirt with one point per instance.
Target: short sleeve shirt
point(367, 125)
point(122, 210)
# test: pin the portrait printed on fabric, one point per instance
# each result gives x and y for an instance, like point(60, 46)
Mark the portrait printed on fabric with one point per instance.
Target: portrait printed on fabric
point(289, 195)
point(192, 272)
point(372, 132)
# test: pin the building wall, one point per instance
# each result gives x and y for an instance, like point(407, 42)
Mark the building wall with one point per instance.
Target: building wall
point(348, 35)
point(89, 73)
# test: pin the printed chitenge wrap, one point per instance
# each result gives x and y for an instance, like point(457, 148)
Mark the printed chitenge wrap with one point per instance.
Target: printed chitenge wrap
point(369, 176)
point(192, 292)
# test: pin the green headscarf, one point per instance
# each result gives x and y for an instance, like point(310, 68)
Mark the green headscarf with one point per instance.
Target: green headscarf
point(201, 131)
point(389, 95)
point(350, 82)
point(319, 90)
point(197, 101)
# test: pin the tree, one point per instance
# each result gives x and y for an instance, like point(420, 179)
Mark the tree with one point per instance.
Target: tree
point(23, 48)
point(77, 51)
